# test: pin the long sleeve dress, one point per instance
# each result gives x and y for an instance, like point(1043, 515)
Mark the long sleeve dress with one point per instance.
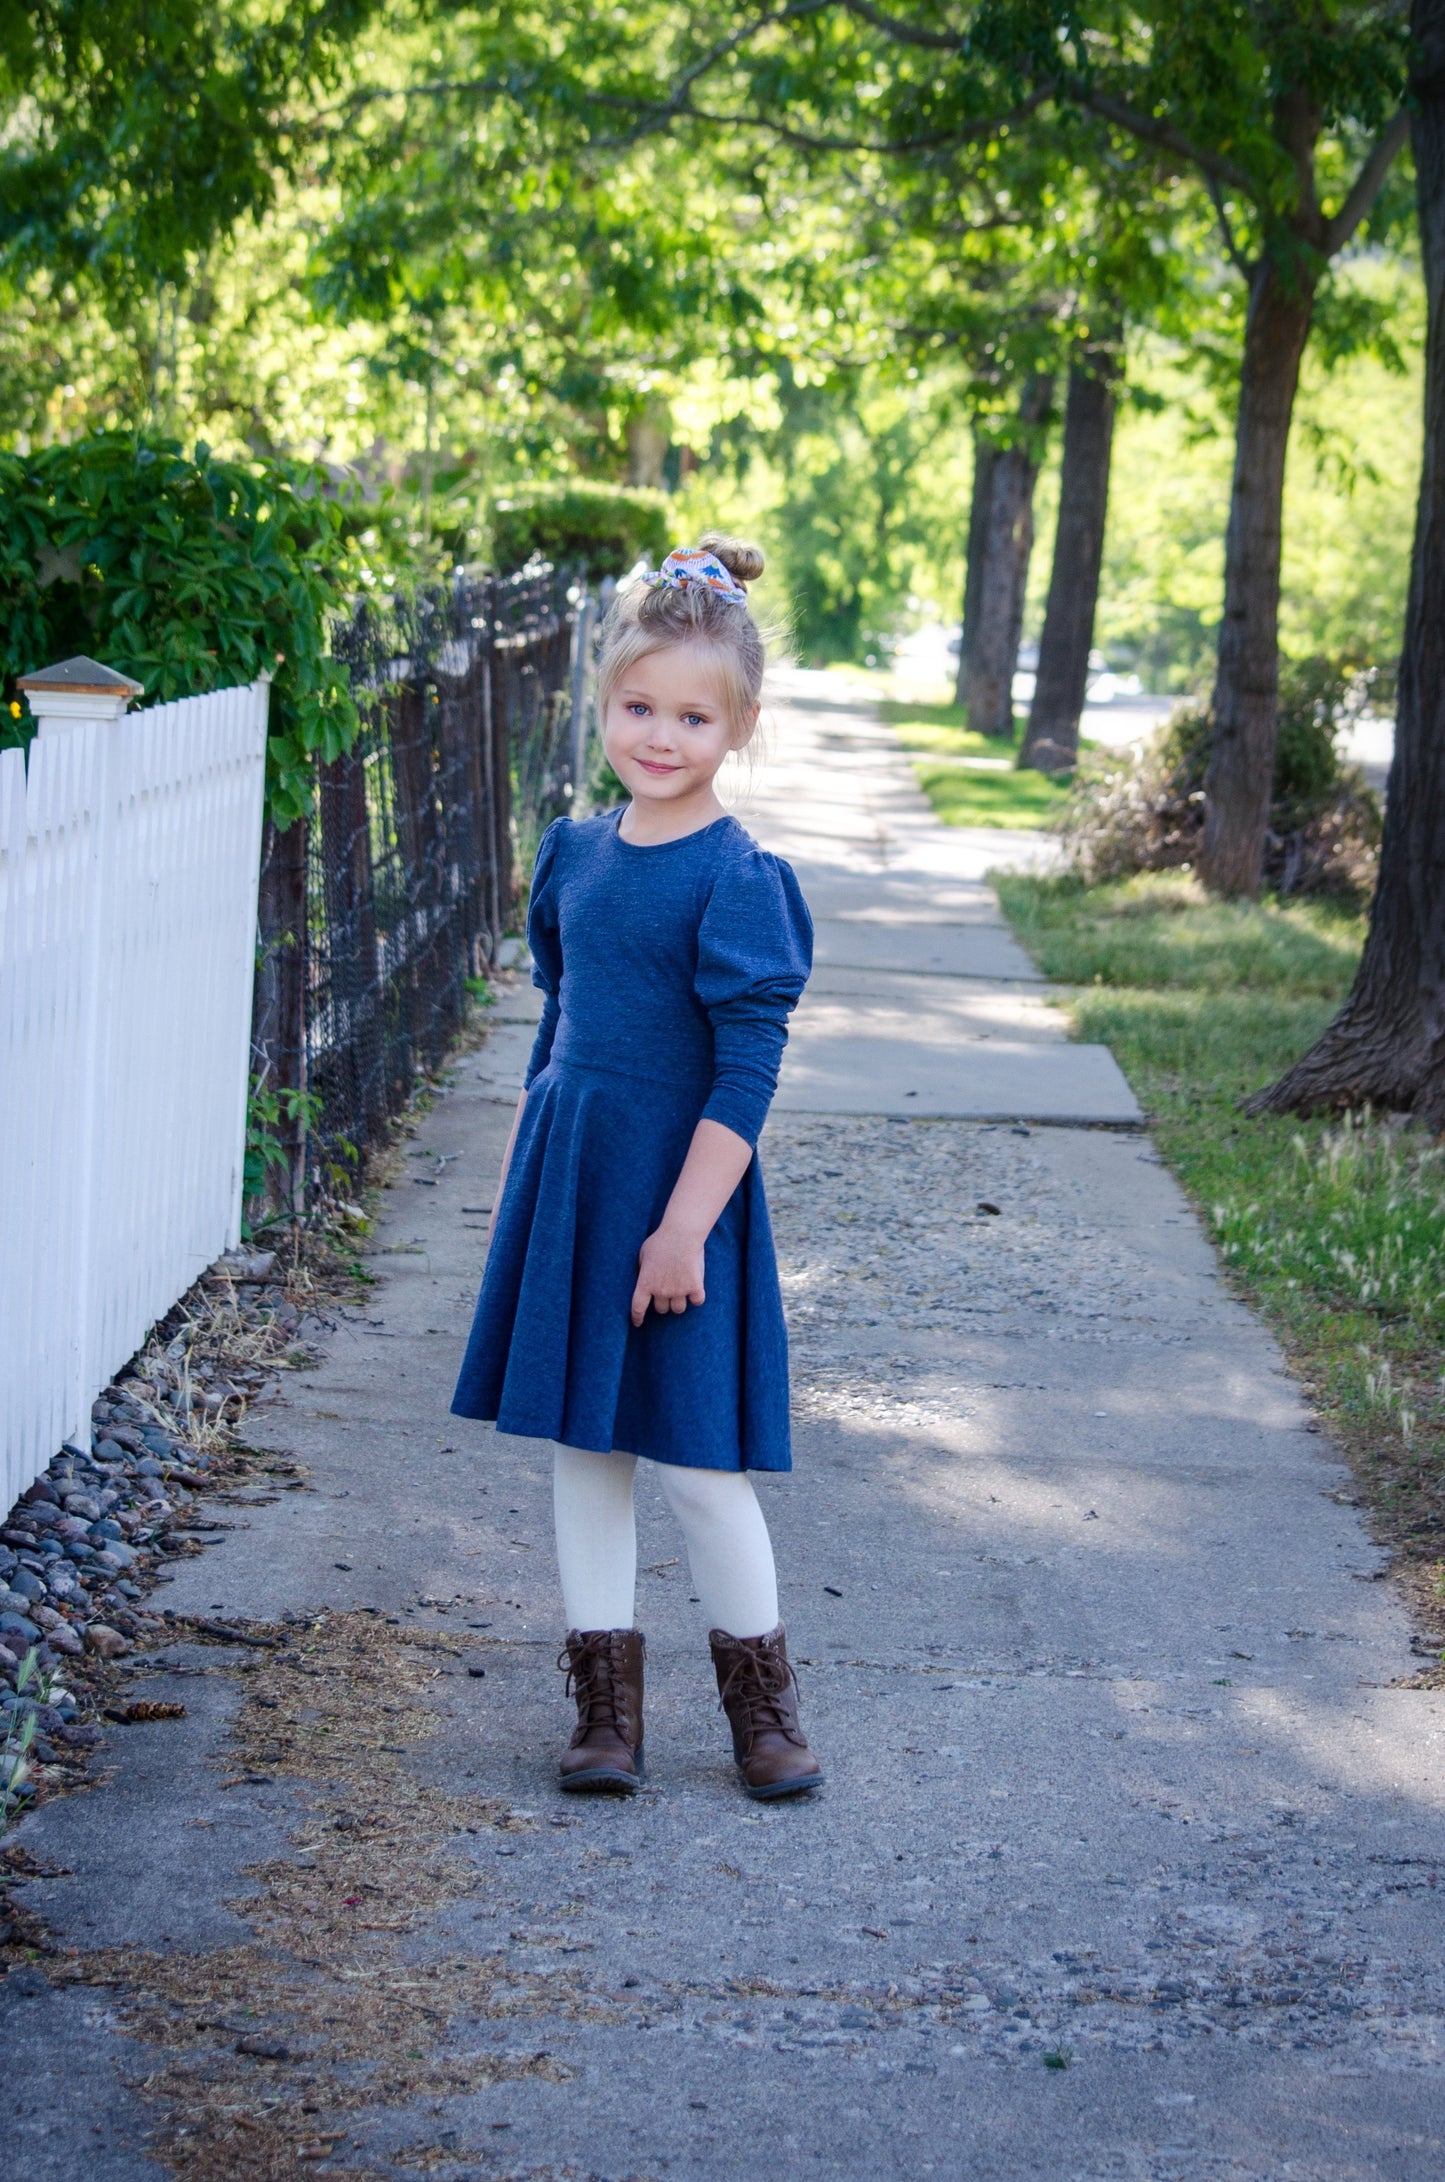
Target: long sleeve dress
point(669, 973)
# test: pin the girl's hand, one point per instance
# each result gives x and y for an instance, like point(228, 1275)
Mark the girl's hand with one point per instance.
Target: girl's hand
point(669, 1273)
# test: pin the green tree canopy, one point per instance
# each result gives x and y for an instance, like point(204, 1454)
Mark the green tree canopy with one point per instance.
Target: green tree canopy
point(139, 130)
point(1288, 120)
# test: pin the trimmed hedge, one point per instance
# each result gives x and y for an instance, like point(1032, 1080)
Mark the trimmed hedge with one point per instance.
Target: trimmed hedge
point(189, 574)
point(600, 529)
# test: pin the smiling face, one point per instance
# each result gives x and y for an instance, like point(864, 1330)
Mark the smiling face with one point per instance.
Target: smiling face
point(669, 727)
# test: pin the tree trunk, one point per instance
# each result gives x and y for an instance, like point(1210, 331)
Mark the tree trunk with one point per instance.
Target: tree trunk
point(1051, 741)
point(278, 1008)
point(1387, 1045)
point(1246, 685)
point(1007, 544)
point(985, 455)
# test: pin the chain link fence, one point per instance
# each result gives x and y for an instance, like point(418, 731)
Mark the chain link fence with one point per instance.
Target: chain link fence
point(383, 906)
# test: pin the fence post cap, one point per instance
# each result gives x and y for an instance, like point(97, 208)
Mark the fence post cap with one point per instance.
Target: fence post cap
point(77, 689)
point(85, 677)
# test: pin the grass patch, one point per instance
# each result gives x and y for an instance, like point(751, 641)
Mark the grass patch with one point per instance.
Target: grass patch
point(1334, 1230)
point(972, 779)
point(944, 730)
point(1164, 931)
point(966, 794)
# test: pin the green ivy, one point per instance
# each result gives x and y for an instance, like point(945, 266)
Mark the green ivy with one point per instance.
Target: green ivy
point(190, 574)
point(266, 1158)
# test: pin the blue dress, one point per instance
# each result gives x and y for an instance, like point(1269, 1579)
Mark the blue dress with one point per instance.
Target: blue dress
point(669, 973)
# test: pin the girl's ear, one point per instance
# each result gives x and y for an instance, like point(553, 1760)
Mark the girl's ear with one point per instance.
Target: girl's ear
point(750, 729)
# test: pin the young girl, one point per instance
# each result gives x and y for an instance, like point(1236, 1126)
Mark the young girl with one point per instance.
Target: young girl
point(630, 1307)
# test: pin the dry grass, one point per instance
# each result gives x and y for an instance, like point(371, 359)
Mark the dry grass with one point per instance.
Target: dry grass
point(267, 2052)
point(225, 1338)
point(348, 2013)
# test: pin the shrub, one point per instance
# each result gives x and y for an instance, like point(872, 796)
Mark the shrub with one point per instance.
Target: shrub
point(600, 529)
point(188, 573)
point(1147, 814)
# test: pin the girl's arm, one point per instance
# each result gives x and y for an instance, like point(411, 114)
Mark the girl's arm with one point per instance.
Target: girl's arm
point(669, 1269)
point(507, 1158)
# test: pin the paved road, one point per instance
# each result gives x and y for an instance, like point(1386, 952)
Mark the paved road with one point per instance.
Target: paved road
point(1120, 1776)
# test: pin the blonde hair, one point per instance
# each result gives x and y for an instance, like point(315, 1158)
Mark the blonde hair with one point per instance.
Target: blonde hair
point(647, 618)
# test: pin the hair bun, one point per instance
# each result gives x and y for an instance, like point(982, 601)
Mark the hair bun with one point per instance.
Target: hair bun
point(743, 562)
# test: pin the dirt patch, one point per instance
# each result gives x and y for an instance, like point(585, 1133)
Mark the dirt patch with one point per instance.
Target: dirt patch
point(266, 2055)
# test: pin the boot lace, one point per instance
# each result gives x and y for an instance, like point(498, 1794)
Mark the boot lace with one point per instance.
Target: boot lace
point(760, 1682)
point(601, 1694)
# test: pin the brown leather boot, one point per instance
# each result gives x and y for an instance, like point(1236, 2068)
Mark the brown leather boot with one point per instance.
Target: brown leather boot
point(604, 1668)
point(759, 1693)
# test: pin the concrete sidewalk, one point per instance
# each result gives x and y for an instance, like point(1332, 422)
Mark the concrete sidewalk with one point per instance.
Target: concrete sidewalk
point(922, 1002)
point(1128, 1862)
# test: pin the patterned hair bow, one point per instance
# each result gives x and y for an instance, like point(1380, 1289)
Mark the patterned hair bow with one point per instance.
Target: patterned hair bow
point(693, 564)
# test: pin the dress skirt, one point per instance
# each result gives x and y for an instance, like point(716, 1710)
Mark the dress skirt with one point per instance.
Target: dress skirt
point(553, 1352)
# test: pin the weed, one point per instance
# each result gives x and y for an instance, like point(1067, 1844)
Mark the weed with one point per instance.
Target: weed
point(1362, 1221)
point(1058, 2056)
point(267, 1160)
point(20, 1734)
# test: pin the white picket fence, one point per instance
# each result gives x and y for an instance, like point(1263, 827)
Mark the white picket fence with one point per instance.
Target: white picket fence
point(129, 856)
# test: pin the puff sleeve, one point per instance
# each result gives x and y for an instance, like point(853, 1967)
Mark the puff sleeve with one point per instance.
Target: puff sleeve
point(755, 949)
point(544, 940)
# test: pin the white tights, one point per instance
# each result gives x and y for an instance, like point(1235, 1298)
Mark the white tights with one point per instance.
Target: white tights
point(728, 1548)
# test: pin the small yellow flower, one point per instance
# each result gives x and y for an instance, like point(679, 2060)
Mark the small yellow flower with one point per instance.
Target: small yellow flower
point(14, 709)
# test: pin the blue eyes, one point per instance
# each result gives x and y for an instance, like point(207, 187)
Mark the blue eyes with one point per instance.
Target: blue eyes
point(640, 711)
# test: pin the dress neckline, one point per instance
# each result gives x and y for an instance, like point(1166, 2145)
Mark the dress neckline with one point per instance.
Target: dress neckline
point(655, 848)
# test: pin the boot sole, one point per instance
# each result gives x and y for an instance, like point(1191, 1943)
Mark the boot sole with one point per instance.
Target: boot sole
point(601, 1782)
point(778, 1789)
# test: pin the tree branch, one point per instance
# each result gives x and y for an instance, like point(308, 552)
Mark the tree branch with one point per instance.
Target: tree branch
point(1367, 184)
point(1236, 256)
point(970, 133)
point(793, 12)
point(942, 41)
point(443, 87)
point(724, 46)
point(1150, 130)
